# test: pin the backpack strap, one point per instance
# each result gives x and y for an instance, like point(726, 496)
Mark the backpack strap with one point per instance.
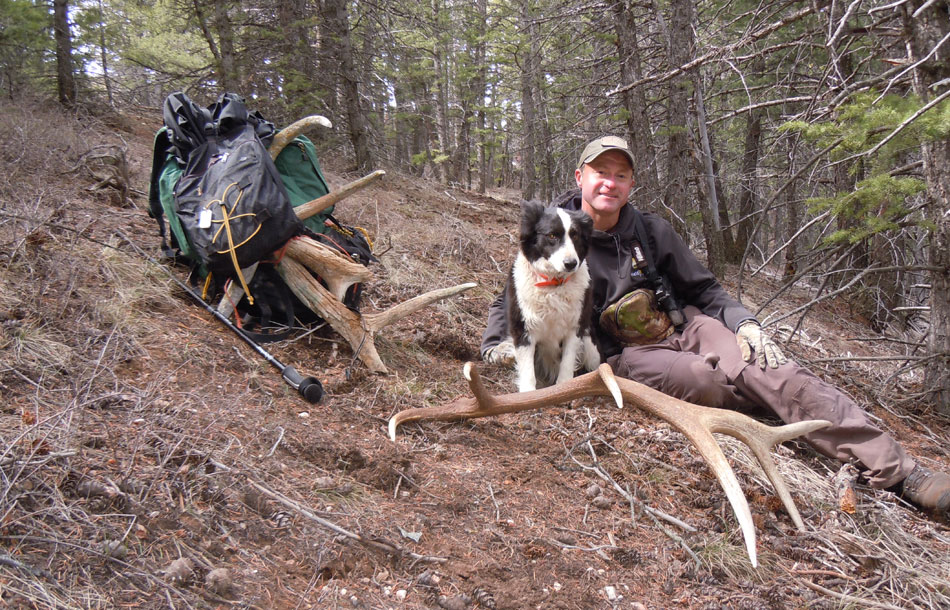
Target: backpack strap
point(660, 284)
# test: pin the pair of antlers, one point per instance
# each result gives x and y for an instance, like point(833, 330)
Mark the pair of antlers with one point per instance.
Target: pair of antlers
point(338, 271)
point(696, 422)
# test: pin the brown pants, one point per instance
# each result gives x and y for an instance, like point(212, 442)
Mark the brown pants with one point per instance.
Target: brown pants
point(703, 364)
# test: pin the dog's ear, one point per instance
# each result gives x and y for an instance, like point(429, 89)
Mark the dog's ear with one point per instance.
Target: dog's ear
point(584, 221)
point(530, 213)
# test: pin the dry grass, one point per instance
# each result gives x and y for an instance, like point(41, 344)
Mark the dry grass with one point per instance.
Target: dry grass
point(142, 292)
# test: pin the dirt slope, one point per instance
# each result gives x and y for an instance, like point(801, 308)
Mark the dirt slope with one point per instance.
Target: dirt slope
point(138, 432)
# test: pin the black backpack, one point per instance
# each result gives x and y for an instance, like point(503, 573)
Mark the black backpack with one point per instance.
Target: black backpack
point(230, 199)
point(192, 153)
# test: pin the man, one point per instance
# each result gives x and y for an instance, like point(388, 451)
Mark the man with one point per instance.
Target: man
point(708, 357)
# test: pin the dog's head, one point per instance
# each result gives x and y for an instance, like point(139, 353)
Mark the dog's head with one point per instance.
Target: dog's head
point(554, 240)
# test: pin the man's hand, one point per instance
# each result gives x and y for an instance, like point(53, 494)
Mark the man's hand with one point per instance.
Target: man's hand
point(503, 353)
point(750, 337)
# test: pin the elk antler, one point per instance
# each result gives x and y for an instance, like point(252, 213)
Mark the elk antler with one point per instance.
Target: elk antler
point(696, 422)
point(287, 134)
point(359, 329)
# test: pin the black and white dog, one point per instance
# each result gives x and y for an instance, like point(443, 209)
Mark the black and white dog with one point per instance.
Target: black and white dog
point(549, 298)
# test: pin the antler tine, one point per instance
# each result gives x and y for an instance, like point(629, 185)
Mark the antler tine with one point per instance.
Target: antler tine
point(692, 421)
point(760, 439)
point(285, 135)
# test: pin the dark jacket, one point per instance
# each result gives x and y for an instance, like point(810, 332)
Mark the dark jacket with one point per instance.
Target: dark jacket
point(613, 274)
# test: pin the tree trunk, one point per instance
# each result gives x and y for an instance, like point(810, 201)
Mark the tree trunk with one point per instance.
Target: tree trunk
point(528, 111)
point(926, 31)
point(528, 178)
point(634, 102)
point(65, 77)
point(328, 73)
point(104, 56)
point(299, 61)
point(715, 248)
point(478, 89)
point(678, 153)
point(548, 179)
point(792, 212)
point(442, 57)
point(230, 77)
point(748, 183)
point(357, 124)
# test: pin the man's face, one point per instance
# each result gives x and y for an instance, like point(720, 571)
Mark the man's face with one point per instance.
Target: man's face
point(605, 184)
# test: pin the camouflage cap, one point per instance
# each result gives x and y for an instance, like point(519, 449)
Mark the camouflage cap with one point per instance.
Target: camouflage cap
point(602, 145)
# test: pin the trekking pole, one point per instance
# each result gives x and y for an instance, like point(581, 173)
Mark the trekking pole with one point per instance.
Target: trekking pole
point(309, 387)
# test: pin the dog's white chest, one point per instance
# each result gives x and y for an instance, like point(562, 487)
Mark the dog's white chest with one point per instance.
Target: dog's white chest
point(549, 312)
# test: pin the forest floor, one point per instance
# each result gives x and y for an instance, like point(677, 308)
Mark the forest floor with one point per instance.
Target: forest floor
point(137, 433)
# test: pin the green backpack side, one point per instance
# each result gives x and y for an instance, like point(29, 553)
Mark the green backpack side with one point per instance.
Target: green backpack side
point(300, 170)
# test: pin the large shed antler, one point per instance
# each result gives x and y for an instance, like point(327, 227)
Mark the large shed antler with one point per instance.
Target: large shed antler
point(696, 422)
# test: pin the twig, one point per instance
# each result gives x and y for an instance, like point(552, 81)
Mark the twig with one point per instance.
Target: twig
point(872, 358)
point(834, 573)
point(6, 560)
point(491, 492)
point(596, 468)
point(588, 549)
point(405, 477)
point(860, 602)
point(669, 534)
point(280, 437)
point(378, 545)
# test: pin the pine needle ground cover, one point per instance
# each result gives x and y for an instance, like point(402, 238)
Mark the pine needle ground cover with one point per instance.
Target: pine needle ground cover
point(149, 459)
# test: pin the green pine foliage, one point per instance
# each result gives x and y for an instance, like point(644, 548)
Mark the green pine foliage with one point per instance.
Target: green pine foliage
point(874, 141)
point(25, 43)
point(877, 204)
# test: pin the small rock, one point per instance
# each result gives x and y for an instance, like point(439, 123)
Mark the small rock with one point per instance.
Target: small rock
point(593, 491)
point(179, 570)
point(610, 593)
point(114, 549)
point(602, 502)
point(219, 581)
point(566, 539)
point(324, 482)
point(453, 603)
point(401, 594)
point(637, 606)
point(429, 579)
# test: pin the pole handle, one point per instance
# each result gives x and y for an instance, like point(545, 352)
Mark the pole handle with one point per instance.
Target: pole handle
point(309, 387)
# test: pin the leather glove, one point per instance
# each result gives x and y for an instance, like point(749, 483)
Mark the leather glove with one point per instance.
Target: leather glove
point(503, 353)
point(750, 338)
